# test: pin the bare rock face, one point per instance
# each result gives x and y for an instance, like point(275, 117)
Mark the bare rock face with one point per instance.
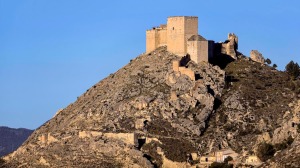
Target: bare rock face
point(290, 129)
point(133, 118)
point(257, 56)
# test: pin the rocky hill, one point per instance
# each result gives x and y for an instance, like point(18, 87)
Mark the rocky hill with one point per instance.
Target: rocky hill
point(11, 139)
point(148, 114)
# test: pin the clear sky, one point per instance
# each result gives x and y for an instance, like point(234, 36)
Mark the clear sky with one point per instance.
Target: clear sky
point(52, 51)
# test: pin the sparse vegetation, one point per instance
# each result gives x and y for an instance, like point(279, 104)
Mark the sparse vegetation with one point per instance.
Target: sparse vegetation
point(254, 102)
point(268, 61)
point(293, 69)
point(280, 146)
point(177, 149)
point(229, 158)
point(284, 144)
point(265, 151)
point(220, 165)
point(290, 140)
point(150, 151)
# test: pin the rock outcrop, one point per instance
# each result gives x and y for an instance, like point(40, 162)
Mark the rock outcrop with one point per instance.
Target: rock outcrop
point(257, 56)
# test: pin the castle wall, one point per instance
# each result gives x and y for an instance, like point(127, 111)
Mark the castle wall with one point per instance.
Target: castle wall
point(176, 66)
point(150, 40)
point(128, 138)
point(193, 50)
point(162, 37)
point(200, 51)
point(46, 139)
point(155, 38)
point(183, 70)
point(203, 51)
point(179, 29)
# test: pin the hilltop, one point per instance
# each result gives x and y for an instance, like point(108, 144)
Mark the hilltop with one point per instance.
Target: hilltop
point(109, 123)
point(186, 102)
point(148, 115)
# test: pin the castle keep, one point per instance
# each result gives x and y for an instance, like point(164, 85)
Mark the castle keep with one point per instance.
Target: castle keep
point(181, 37)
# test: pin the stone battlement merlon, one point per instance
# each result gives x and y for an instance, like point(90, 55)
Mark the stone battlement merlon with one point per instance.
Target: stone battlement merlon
point(161, 27)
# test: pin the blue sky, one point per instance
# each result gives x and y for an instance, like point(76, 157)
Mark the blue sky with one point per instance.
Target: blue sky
point(52, 51)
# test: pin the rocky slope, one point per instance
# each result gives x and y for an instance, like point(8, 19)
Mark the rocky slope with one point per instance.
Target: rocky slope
point(148, 115)
point(11, 139)
point(125, 119)
point(258, 105)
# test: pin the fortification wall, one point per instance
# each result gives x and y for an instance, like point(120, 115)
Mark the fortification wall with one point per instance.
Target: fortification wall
point(183, 70)
point(162, 37)
point(128, 138)
point(200, 51)
point(150, 40)
point(193, 51)
point(155, 38)
point(46, 139)
point(203, 51)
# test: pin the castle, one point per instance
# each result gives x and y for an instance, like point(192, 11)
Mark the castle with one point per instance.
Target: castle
point(181, 37)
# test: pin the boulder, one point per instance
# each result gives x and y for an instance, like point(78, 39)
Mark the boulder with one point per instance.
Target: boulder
point(257, 56)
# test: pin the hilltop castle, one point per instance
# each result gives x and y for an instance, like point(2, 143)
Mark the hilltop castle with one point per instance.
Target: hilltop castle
point(181, 37)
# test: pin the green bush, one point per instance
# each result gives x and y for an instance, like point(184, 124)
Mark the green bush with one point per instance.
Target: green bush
point(265, 151)
point(268, 61)
point(293, 69)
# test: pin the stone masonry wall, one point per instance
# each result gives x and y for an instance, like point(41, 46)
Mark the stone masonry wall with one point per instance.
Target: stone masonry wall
point(179, 29)
point(155, 38)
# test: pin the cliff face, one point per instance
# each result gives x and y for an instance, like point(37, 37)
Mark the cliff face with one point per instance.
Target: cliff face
point(148, 115)
point(11, 139)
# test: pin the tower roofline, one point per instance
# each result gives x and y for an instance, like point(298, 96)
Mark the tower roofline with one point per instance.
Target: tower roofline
point(183, 16)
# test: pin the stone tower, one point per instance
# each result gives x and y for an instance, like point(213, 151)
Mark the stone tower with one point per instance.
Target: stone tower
point(200, 49)
point(179, 30)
